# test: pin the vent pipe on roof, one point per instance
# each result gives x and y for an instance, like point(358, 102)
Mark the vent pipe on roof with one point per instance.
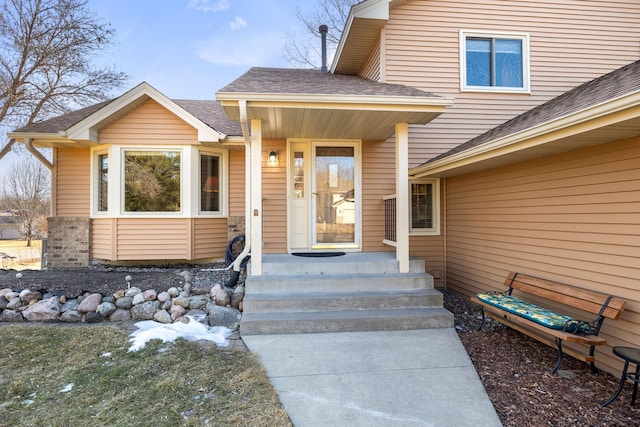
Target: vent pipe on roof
point(323, 32)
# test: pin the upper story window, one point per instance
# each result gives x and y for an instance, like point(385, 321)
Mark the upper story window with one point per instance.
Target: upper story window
point(494, 62)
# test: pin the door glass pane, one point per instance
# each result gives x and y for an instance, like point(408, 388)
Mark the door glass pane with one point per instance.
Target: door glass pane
point(298, 174)
point(335, 195)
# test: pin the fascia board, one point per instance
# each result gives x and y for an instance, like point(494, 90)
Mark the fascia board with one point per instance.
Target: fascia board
point(335, 101)
point(21, 136)
point(83, 130)
point(372, 9)
point(523, 139)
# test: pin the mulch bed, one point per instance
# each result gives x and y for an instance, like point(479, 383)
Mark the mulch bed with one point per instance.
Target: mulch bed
point(515, 369)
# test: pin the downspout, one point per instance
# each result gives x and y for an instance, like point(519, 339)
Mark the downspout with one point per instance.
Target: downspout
point(242, 104)
point(444, 231)
point(38, 155)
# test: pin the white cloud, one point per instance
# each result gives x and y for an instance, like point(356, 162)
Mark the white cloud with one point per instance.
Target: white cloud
point(260, 49)
point(209, 5)
point(238, 23)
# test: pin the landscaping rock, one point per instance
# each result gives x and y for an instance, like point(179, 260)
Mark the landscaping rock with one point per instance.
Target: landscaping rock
point(145, 311)
point(150, 295)
point(105, 309)
point(93, 317)
point(47, 310)
point(132, 291)
point(124, 303)
point(173, 291)
point(138, 299)
point(162, 316)
point(90, 303)
point(11, 316)
point(28, 296)
point(14, 303)
point(3, 302)
point(182, 301)
point(71, 316)
point(120, 315)
point(70, 305)
point(224, 316)
point(164, 296)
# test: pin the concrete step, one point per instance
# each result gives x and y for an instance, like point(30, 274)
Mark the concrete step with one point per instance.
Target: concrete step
point(348, 282)
point(351, 263)
point(345, 321)
point(337, 301)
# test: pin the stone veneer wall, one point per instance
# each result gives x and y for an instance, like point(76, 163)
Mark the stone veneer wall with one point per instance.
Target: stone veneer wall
point(68, 242)
point(236, 226)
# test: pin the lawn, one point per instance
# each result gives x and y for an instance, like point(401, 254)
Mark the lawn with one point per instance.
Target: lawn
point(22, 256)
point(83, 375)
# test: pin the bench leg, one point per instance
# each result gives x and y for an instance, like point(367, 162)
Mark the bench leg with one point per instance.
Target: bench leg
point(594, 370)
point(483, 318)
point(560, 355)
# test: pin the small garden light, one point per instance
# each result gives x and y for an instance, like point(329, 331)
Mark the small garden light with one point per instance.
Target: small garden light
point(128, 280)
point(19, 277)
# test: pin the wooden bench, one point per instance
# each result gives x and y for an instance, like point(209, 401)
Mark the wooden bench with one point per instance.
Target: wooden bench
point(542, 327)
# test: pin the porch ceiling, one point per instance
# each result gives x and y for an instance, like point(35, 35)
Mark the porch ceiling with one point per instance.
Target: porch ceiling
point(324, 120)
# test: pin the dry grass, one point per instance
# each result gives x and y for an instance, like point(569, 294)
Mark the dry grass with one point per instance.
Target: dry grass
point(184, 383)
point(26, 257)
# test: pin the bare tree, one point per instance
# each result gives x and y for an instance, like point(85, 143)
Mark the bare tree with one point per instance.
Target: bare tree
point(304, 50)
point(26, 194)
point(46, 50)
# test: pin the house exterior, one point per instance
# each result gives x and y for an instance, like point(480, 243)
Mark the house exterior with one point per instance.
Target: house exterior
point(405, 125)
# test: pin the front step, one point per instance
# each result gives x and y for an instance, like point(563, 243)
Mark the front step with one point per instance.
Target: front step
point(356, 292)
point(345, 321)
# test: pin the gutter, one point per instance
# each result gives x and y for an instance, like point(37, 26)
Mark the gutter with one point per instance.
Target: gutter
point(242, 104)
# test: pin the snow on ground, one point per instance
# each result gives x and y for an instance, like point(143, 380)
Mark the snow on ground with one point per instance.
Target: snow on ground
point(193, 331)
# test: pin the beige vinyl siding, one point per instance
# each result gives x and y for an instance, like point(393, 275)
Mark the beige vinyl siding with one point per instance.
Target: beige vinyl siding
point(371, 68)
point(209, 237)
point(236, 183)
point(149, 124)
point(571, 42)
point(71, 184)
point(144, 239)
point(378, 180)
point(574, 218)
point(274, 198)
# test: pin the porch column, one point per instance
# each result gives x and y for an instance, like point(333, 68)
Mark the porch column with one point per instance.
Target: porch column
point(255, 208)
point(402, 196)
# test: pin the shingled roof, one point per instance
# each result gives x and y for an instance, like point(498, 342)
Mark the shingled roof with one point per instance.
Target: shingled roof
point(313, 82)
point(208, 111)
point(617, 83)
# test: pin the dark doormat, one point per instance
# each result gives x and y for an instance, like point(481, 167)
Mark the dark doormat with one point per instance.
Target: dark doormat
point(317, 254)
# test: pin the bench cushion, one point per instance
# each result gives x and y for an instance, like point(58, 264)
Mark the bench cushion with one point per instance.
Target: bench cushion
point(537, 314)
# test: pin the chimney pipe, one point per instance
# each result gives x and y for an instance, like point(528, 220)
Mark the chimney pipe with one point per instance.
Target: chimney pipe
point(323, 32)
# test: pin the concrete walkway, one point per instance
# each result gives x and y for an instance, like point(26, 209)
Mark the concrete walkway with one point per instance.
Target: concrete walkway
point(389, 378)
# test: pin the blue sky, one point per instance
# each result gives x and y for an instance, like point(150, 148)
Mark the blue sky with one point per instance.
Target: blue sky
point(189, 49)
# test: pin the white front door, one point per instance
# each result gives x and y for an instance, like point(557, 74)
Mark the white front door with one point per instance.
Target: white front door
point(324, 195)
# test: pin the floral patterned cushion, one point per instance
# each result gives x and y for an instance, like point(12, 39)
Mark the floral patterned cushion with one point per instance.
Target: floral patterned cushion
point(535, 313)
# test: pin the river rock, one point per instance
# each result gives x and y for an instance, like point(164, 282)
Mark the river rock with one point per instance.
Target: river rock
point(93, 317)
point(90, 304)
point(182, 301)
point(164, 297)
point(198, 302)
point(28, 296)
point(125, 303)
point(3, 302)
point(11, 316)
point(177, 311)
point(70, 305)
point(150, 294)
point(224, 316)
point(173, 291)
point(5, 291)
point(14, 303)
point(222, 298)
point(44, 311)
point(132, 291)
point(120, 315)
point(105, 309)
point(71, 316)
point(138, 299)
point(162, 316)
point(145, 311)
point(11, 295)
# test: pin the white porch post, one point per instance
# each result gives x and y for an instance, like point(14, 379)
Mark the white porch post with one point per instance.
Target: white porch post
point(402, 196)
point(255, 208)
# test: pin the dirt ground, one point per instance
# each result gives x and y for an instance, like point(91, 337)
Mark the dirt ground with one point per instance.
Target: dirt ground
point(515, 369)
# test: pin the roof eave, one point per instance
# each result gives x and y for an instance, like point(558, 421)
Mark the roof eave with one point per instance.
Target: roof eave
point(608, 113)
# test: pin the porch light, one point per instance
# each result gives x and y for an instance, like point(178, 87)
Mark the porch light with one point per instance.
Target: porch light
point(273, 157)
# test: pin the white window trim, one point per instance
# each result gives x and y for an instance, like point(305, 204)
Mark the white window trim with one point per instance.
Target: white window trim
point(526, 67)
point(222, 183)
point(435, 230)
point(189, 182)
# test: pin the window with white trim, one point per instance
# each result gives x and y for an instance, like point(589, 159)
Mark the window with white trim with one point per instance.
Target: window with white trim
point(102, 179)
point(494, 62)
point(425, 207)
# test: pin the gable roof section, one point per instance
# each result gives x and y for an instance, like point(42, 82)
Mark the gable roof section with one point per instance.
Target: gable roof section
point(83, 125)
point(599, 111)
point(294, 103)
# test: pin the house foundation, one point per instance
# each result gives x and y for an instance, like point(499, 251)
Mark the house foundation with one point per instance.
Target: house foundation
point(68, 242)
